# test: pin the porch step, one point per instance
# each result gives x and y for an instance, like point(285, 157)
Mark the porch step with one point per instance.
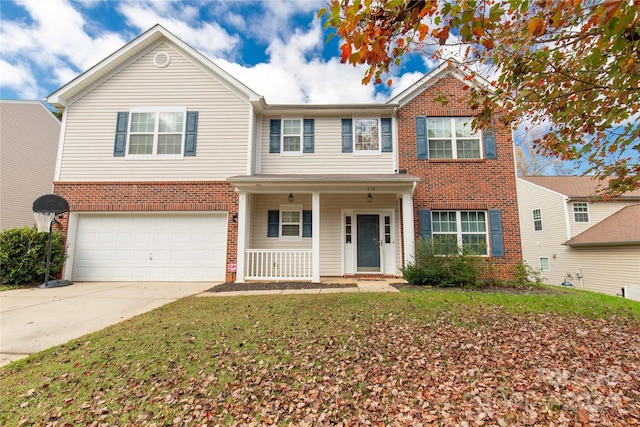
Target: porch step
point(375, 286)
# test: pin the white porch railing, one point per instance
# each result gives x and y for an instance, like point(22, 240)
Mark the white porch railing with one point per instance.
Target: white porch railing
point(278, 264)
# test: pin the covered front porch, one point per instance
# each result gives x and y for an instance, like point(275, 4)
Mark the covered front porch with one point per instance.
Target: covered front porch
point(302, 227)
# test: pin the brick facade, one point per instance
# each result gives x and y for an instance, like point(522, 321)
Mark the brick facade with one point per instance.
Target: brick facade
point(461, 184)
point(196, 196)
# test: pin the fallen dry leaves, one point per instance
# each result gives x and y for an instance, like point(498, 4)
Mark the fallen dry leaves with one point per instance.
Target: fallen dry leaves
point(491, 369)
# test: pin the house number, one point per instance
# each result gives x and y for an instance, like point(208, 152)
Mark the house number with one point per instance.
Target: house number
point(371, 188)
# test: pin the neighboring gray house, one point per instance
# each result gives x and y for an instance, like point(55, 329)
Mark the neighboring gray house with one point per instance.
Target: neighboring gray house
point(29, 135)
point(565, 232)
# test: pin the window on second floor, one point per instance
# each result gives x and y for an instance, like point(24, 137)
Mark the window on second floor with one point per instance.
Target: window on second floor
point(537, 220)
point(580, 212)
point(452, 138)
point(367, 135)
point(156, 133)
point(291, 136)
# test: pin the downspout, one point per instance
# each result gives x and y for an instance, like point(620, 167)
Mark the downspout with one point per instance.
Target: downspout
point(394, 141)
point(567, 219)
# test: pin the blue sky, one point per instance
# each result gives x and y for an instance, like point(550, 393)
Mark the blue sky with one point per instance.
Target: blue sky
point(276, 47)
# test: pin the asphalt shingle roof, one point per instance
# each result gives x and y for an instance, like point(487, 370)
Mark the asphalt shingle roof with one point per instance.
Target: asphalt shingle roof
point(621, 228)
point(575, 186)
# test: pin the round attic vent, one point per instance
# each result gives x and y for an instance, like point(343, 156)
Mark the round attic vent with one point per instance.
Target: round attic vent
point(161, 59)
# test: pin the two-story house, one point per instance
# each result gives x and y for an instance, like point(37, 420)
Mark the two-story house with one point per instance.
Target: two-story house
point(176, 171)
point(568, 233)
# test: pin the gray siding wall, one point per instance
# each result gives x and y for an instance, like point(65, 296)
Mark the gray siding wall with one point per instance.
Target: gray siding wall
point(29, 135)
point(223, 124)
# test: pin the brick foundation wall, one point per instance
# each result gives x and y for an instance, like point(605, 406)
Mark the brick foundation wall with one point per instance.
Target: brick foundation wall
point(196, 196)
point(461, 184)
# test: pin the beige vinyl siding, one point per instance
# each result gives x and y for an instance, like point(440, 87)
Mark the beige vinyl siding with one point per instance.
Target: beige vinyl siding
point(597, 212)
point(327, 156)
point(548, 241)
point(29, 135)
point(267, 202)
point(331, 235)
point(223, 124)
point(605, 269)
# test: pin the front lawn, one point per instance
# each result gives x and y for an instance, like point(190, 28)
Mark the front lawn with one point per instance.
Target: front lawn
point(425, 357)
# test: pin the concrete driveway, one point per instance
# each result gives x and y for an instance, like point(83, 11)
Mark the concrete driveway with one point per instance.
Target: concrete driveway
point(34, 319)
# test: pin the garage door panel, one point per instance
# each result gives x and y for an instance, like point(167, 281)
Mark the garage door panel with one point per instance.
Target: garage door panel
point(151, 247)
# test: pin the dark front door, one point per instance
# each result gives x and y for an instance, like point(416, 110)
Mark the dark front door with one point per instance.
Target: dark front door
point(368, 242)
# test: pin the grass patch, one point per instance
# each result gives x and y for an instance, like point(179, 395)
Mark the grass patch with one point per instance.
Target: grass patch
point(339, 357)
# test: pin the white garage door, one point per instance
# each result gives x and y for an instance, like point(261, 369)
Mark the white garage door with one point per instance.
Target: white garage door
point(164, 247)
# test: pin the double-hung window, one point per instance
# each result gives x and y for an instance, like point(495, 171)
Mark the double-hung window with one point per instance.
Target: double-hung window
point(366, 135)
point(537, 220)
point(455, 229)
point(580, 212)
point(291, 136)
point(452, 138)
point(156, 132)
point(291, 223)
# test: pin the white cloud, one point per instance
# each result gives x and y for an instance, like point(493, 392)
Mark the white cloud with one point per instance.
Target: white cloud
point(207, 37)
point(18, 78)
point(289, 77)
point(64, 38)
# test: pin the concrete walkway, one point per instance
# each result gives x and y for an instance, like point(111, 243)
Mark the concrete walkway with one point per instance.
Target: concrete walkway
point(33, 319)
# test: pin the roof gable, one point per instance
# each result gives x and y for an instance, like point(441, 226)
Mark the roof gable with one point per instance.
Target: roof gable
point(431, 78)
point(133, 50)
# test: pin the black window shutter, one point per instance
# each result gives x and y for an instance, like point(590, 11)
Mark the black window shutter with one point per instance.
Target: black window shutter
point(425, 223)
point(488, 137)
point(347, 136)
point(308, 136)
point(273, 227)
point(307, 229)
point(274, 136)
point(421, 137)
point(120, 146)
point(387, 142)
point(191, 133)
point(495, 227)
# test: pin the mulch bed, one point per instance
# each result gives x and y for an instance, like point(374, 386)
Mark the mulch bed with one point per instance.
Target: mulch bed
point(280, 286)
point(276, 286)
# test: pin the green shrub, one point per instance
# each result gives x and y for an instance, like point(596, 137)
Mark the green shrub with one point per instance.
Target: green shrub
point(526, 275)
point(435, 265)
point(23, 255)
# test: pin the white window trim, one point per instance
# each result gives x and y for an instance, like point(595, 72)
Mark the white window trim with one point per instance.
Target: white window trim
point(459, 232)
point(534, 220)
point(290, 208)
point(454, 140)
point(154, 155)
point(353, 136)
point(573, 207)
point(548, 263)
point(282, 135)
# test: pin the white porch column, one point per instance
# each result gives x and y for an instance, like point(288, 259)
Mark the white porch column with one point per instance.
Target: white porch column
point(243, 220)
point(315, 238)
point(408, 233)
